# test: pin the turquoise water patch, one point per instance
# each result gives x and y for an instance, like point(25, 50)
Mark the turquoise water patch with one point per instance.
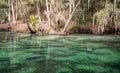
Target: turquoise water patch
point(25, 53)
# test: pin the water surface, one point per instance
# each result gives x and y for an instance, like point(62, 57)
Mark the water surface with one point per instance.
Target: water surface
point(25, 53)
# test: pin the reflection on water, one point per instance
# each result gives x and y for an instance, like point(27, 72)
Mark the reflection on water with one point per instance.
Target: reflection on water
point(24, 53)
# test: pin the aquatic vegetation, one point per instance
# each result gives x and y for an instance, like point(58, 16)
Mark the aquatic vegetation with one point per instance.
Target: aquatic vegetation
point(60, 54)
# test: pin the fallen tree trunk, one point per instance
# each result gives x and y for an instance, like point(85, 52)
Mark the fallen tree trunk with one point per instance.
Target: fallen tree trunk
point(71, 16)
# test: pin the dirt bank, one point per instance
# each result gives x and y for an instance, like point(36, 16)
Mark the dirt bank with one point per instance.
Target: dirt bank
point(81, 29)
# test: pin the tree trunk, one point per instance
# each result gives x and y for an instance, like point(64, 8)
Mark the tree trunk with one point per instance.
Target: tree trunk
point(16, 10)
point(71, 16)
point(26, 18)
point(9, 15)
point(48, 12)
point(71, 6)
point(88, 4)
point(38, 10)
point(13, 12)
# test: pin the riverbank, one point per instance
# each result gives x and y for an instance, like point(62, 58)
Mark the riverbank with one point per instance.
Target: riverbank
point(81, 29)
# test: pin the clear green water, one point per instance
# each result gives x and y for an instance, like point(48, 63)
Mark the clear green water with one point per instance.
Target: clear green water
point(24, 53)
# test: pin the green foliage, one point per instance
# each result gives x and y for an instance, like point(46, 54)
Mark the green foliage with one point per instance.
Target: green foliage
point(80, 16)
point(2, 14)
point(30, 1)
point(101, 16)
point(3, 5)
point(33, 18)
point(117, 19)
point(60, 23)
